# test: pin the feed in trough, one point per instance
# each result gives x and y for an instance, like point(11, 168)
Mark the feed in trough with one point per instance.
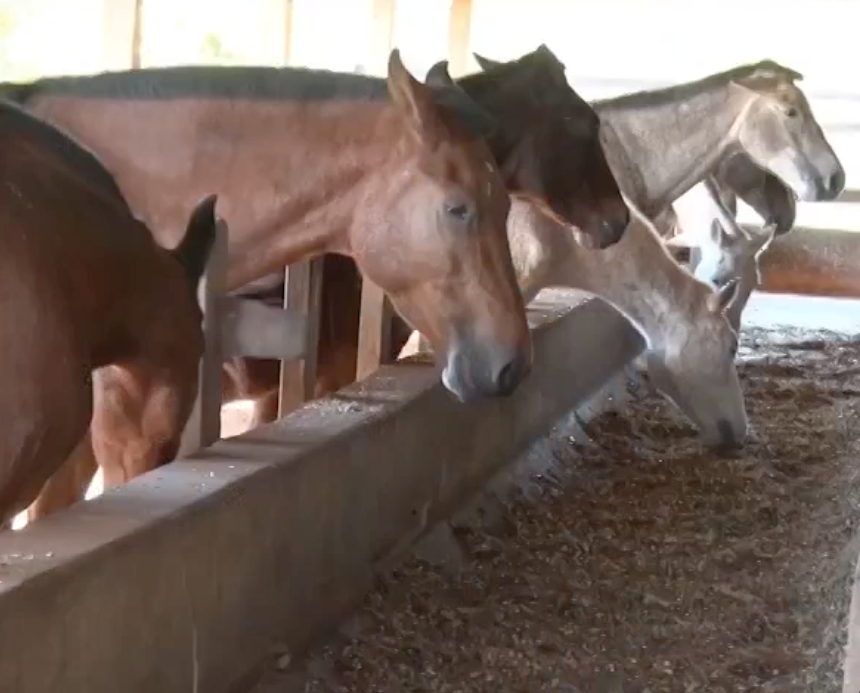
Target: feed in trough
point(650, 563)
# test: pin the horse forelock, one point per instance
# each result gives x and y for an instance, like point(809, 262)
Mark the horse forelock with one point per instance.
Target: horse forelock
point(766, 69)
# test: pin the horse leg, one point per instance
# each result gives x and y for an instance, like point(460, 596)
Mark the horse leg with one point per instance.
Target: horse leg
point(68, 485)
point(139, 416)
point(31, 452)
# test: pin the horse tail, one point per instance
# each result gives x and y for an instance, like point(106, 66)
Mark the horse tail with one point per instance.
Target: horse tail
point(194, 249)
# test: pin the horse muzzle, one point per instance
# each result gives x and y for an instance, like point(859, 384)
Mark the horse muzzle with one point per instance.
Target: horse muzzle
point(472, 374)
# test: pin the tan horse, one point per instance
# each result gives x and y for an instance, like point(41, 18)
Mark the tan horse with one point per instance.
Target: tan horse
point(86, 290)
point(690, 344)
point(749, 131)
point(660, 143)
point(393, 173)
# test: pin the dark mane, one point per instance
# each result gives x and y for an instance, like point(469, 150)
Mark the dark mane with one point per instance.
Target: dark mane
point(665, 95)
point(205, 81)
point(232, 82)
point(82, 159)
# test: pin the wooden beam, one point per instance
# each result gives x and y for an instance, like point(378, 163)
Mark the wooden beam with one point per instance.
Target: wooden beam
point(121, 34)
point(302, 293)
point(251, 328)
point(204, 424)
point(288, 30)
point(374, 330)
point(459, 37)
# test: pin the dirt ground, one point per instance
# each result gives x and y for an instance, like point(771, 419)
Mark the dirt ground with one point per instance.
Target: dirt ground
point(646, 564)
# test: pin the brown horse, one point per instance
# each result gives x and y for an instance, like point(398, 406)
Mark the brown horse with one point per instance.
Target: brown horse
point(307, 162)
point(394, 173)
point(547, 144)
point(90, 303)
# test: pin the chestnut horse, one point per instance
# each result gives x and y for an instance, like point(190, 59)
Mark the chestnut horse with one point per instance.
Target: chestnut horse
point(547, 144)
point(93, 307)
point(392, 172)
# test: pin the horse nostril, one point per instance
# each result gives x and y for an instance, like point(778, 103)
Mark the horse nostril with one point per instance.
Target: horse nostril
point(729, 442)
point(507, 379)
point(836, 183)
point(611, 232)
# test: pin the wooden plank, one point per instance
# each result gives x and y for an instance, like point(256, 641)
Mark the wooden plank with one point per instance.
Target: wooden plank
point(251, 328)
point(302, 293)
point(374, 330)
point(121, 34)
point(459, 37)
point(204, 424)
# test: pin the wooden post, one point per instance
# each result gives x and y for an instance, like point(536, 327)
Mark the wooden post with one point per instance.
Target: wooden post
point(204, 424)
point(374, 329)
point(288, 31)
point(459, 36)
point(121, 34)
point(302, 293)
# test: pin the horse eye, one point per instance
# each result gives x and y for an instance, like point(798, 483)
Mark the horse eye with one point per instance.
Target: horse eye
point(459, 212)
point(791, 112)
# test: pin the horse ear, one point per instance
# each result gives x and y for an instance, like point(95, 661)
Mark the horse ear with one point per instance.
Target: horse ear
point(195, 247)
point(438, 75)
point(719, 235)
point(413, 99)
point(544, 51)
point(486, 63)
point(721, 299)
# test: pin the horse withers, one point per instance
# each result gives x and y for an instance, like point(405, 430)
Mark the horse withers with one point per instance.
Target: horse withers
point(393, 173)
point(85, 288)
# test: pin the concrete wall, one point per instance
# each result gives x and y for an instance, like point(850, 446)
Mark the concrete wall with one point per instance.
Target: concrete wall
point(183, 579)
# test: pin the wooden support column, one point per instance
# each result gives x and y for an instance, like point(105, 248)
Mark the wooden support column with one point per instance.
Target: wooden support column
point(121, 34)
point(302, 293)
point(459, 37)
point(204, 424)
point(374, 329)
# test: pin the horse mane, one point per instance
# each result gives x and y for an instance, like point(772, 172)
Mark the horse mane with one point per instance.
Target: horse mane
point(661, 96)
point(252, 83)
point(67, 148)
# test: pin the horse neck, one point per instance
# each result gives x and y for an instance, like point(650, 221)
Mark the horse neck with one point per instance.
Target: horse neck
point(321, 210)
point(636, 276)
point(660, 144)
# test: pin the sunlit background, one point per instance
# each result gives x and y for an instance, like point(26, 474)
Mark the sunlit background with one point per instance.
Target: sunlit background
point(609, 46)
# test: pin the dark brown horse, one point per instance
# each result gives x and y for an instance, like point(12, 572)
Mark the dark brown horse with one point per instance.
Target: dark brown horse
point(91, 306)
point(393, 173)
point(547, 144)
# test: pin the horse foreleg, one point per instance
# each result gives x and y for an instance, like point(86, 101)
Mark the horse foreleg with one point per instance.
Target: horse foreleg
point(138, 420)
point(68, 485)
